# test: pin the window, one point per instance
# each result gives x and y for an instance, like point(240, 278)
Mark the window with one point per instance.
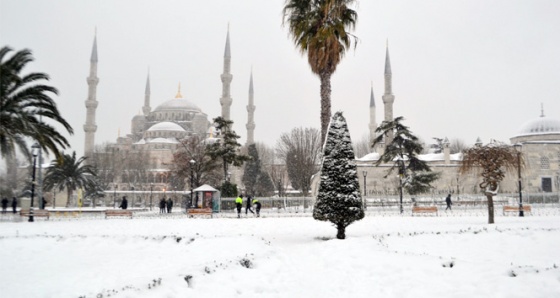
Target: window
point(546, 184)
point(545, 163)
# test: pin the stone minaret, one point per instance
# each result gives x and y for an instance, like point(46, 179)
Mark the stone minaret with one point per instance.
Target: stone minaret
point(388, 97)
point(372, 122)
point(146, 109)
point(250, 114)
point(91, 103)
point(226, 100)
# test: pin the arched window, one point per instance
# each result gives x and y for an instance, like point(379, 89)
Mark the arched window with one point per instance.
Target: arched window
point(545, 163)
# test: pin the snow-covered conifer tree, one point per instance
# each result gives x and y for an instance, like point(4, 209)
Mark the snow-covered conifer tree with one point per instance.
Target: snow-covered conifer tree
point(338, 199)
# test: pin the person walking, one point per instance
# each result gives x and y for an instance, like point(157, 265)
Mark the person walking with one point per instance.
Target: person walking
point(124, 203)
point(257, 207)
point(169, 205)
point(448, 202)
point(162, 204)
point(4, 205)
point(14, 204)
point(238, 205)
point(248, 205)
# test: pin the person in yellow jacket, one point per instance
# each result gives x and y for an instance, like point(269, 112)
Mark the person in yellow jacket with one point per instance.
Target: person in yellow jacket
point(238, 205)
point(257, 207)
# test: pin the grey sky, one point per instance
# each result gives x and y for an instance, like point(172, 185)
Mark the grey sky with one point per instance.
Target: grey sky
point(461, 69)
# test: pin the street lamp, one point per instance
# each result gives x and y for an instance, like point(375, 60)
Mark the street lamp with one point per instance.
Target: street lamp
point(151, 191)
point(192, 180)
point(518, 147)
point(365, 189)
point(34, 150)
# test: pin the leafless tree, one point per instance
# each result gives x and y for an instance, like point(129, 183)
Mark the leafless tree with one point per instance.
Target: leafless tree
point(300, 150)
point(205, 170)
point(363, 146)
point(457, 145)
point(490, 161)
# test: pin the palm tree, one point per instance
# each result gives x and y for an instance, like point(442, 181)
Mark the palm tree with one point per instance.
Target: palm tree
point(491, 161)
point(23, 100)
point(70, 174)
point(320, 29)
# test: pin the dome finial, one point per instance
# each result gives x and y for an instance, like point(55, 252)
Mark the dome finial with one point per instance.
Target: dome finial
point(542, 110)
point(179, 92)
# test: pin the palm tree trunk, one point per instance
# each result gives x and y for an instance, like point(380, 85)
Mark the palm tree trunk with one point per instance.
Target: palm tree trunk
point(490, 208)
point(341, 231)
point(69, 195)
point(325, 77)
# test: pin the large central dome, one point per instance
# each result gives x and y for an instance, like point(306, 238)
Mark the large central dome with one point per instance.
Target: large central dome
point(178, 104)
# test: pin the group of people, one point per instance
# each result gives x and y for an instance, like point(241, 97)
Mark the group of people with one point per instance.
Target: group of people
point(5, 204)
point(165, 205)
point(248, 202)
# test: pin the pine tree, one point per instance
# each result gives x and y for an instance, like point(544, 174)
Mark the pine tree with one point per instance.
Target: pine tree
point(252, 170)
point(415, 175)
point(227, 148)
point(338, 200)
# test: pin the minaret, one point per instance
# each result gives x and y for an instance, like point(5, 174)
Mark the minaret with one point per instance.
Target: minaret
point(226, 100)
point(250, 114)
point(91, 103)
point(146, 108)
point(372, 122)
point(388, 97)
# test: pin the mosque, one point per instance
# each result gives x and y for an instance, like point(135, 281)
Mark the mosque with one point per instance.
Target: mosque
point(159, 132)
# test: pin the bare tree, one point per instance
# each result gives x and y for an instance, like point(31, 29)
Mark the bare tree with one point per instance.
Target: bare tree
point(491, 161)
point(205, 170)
point(363, 146)
point(300, 150)
point(457, 145)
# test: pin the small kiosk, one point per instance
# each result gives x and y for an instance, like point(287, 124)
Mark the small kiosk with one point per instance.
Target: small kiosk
point(207, 201)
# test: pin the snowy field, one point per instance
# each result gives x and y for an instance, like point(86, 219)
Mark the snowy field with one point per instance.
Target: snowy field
point(452, 255)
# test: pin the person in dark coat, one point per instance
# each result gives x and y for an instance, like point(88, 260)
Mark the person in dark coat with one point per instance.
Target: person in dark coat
point(43, 203)
point(162, 205)
point(4, 205)
point(169, 205)
point(14, 204)
point(257, 207)
point(248, 205)
point(124, 203)
point(448, 202)
point(238, 205)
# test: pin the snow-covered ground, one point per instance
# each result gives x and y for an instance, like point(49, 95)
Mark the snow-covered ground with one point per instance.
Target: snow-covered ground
point(457, 255)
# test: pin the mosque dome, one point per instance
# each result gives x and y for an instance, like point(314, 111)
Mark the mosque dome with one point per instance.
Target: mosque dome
point(166, 126)
point(178, 104)
point(540, 126)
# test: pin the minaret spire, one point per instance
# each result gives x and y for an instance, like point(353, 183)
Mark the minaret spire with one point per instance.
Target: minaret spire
point(146, 109)
point(388, 97)
point(251, 113)
point(372, 122)
point(226, 77)
point(91, 103)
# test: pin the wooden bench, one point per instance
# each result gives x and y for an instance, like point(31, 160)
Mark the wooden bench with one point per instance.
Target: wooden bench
point(526, 208)
point(118, 213)
point(199, 211)
point(424, 209)
point(36, 213)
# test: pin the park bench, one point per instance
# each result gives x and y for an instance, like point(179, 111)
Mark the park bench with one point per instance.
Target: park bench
point(118, 213)
point(515, 209)
point(424, 209)
point(199, 211)
point(36, 213)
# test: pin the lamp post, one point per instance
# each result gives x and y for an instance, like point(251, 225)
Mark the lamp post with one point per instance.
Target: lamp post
point(34, 150)
point(192, 180)
point(365, 189)
point(151, 192)
point(518, 148)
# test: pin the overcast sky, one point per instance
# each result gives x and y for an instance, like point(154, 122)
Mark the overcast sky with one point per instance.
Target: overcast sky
point(461, 69)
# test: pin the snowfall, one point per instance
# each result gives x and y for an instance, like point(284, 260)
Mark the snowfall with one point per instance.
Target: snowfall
point(454, 254)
